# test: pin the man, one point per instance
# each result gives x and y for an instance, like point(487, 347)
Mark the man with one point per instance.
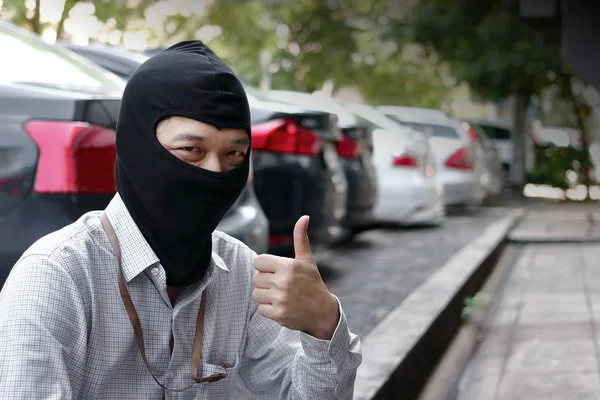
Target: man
point(146, 300)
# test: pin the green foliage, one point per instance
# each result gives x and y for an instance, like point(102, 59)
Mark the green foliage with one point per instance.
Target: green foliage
point(473, 305)
point(552, 164)
point(489, 45)
point(410, 81)
point(121, 11)
point(17, 13)
point(309, 42)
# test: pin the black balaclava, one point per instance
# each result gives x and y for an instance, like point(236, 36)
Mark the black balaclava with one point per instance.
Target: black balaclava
point(177, 205)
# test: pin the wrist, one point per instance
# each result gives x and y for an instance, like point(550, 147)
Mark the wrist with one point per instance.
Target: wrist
point(329, 320)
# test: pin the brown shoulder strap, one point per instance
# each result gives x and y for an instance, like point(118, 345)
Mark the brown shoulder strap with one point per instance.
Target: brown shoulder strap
point(137, 326)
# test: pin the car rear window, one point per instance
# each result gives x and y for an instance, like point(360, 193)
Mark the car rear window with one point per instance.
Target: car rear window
point(495, 133)
point(32, 61)
point(434, 130)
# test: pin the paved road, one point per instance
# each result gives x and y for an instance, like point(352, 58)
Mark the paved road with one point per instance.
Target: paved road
point(375, 272)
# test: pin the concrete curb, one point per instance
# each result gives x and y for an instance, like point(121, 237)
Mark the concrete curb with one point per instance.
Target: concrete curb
point(446, 381)
point(400, 353)
point(525, 239)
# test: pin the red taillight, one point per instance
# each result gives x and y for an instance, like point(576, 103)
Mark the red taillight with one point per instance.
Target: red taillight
point(75, 157)
point(285, 136)
point(405, 161)
point(460, 160)
point(348, 148)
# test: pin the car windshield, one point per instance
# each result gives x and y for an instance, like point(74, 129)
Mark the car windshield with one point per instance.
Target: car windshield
point(318, 102)
point(35, 62)
point(376, 118)
point(495, 133)
point(433, 130)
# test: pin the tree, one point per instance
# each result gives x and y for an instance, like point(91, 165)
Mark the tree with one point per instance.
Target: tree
point(492, 48)
point(120, 11)
point(311, 42)
point(19, 14)
point(409, 77)
point(573, 91)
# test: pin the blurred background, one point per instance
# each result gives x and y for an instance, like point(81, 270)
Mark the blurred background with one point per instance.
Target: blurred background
point(404, 128)
point(477, 60)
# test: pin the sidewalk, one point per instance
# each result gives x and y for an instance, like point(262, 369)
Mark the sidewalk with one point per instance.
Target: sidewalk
point(541, 340)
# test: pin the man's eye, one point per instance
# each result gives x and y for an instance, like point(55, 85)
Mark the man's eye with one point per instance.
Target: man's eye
point(191, 149)
point(237, 153)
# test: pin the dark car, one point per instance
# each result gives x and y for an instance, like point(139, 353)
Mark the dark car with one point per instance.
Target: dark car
point(354, 148)
point(114, 59)
point(291, 178)
point(297, 170)
point(58, 113)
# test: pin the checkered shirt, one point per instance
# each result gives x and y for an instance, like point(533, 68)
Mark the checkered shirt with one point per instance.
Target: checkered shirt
point(65, 334)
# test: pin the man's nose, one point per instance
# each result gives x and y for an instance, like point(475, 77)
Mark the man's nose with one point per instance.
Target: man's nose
point(212, 163)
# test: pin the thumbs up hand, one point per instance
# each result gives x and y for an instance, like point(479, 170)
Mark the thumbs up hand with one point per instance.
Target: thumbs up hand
point(291, 291)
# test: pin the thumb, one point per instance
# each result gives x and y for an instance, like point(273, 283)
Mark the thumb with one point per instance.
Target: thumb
point(301, 243)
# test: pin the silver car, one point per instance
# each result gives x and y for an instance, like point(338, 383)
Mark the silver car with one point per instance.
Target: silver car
point(409, 189)
point(459, 160)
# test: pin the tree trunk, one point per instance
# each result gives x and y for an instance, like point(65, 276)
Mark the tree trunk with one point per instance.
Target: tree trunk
point(585, 146)
point(36, 25)
point(60, 29)
point(517, 169)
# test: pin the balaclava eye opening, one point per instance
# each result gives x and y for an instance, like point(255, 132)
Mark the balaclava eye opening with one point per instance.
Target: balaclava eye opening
point(177, 205)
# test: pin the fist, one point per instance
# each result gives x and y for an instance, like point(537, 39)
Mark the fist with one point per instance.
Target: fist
point(292, 293)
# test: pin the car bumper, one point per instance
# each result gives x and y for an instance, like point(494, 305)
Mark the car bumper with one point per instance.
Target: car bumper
point(289, 186)
point(247, 222)
point(407, 197)
point(459, 188)
point(362, 193)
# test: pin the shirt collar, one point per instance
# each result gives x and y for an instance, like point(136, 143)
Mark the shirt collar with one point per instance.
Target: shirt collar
point(136, 253)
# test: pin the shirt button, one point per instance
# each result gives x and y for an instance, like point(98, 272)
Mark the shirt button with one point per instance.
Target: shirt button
point(155, 271)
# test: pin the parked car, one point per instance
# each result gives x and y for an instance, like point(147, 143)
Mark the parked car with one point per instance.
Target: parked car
point(409, 189)
point(354, 150)
point(493, 174)
point(459, 164)
point(560, 137)
point(289, 180)
point(501, 137)
point(57, 146)
point(120, 62)
point(297, 170)
point(154, 51)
